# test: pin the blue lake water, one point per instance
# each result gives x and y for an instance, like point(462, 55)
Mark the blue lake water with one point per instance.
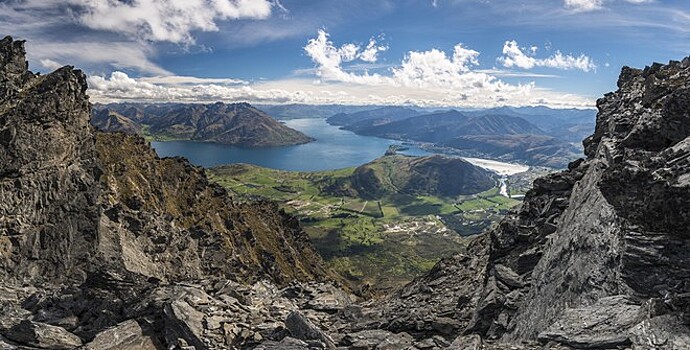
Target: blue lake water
point(333, 149)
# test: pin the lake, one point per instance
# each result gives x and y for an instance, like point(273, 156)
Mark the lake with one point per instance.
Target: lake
point(333, 149)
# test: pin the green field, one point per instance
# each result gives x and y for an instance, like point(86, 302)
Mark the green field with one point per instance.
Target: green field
point(384, 242)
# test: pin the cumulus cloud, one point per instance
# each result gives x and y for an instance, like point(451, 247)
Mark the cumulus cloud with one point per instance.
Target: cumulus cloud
point(329, 59)
point(593, 5)
point(583, 5)
point(50, 64)
point(430, 70)
point(515, 56)
point(165, 20)
point(432, 78)
point(120, 87)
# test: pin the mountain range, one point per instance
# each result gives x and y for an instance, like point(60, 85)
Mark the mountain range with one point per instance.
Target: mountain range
point(233, 124)
point(536, 136)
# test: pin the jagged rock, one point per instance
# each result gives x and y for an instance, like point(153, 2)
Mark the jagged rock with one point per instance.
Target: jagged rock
point(182, 321)
point(467, 342)
point(107, 231)
point(377, 339)
point(605, 324)
point(287, 343)
point(301, 327)
point(127, 335)
point(666, 332)
point(43, 336)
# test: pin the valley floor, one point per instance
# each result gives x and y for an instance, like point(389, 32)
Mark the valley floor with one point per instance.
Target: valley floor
point(379, 243)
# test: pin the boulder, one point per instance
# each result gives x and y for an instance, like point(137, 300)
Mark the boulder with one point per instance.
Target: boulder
point(182, 321)
point(301, 327)
point(43, 336)
point(127, 335)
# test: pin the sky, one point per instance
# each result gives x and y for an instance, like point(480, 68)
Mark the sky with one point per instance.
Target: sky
point(431, 53)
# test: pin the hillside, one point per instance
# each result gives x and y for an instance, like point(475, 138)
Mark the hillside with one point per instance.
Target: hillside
point(419, 176)
point(233, 124)
point(111, 121)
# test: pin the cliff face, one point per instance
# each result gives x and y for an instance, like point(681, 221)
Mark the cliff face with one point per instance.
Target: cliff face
point(48, 171)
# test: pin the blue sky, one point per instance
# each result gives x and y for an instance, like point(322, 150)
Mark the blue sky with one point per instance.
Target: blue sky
point(457, 53)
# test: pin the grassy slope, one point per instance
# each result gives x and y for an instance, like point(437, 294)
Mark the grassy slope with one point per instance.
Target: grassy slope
point(369, 241)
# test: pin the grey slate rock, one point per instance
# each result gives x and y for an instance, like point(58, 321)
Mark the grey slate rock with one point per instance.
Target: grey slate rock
point(43, 336)
point(127, 335)
point(300, 327)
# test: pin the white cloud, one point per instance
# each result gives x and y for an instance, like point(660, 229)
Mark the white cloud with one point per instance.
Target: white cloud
point(430, 78)
point(117, 55)
point(593, 5)
point(329, 58)
point(583, 5)
point(432, 69)
point(120, 87)
point(102, 35)
point(165, 20)
point(514, 56)
point(50, 64)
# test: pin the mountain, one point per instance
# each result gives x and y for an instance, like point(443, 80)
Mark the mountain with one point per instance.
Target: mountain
point(443, 126)
point(566, 124)
point(370, 118)
point(234, 124)
point(419, 176)
point(106, 119)
point(297, 111)
point(472, 134)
